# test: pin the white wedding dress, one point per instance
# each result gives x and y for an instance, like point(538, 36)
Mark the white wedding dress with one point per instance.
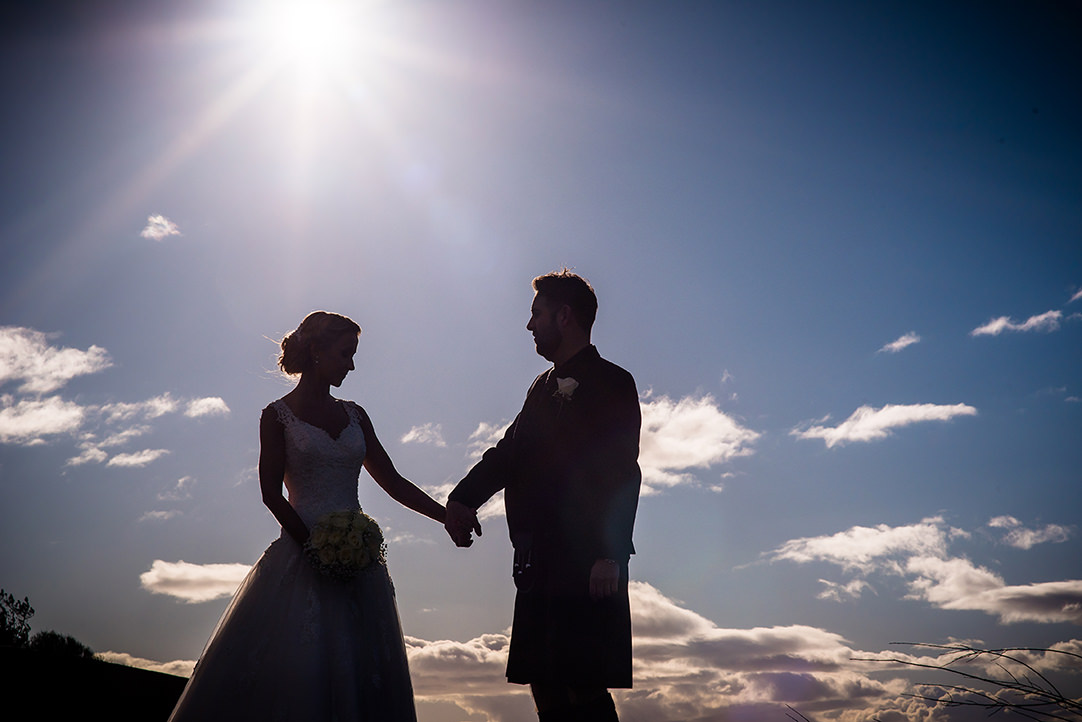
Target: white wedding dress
point(295, 645)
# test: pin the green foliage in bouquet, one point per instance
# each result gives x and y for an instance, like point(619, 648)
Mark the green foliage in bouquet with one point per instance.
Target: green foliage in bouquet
point(343, 543)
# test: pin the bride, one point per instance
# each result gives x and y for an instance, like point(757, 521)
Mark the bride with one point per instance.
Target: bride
point(313, 630)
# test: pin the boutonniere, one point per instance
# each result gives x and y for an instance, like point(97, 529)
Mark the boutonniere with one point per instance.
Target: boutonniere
point(566, 387)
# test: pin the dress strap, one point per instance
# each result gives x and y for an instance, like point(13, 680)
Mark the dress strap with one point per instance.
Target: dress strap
point(285, 414)
point(356, 414)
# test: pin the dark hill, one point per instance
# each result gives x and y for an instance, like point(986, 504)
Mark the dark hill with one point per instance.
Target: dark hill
point(58, 688)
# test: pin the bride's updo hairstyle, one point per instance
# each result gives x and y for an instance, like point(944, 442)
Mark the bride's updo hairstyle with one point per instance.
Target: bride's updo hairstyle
point(318, 330)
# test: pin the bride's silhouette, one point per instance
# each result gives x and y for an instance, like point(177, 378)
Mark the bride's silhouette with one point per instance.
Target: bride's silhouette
point(313, 631)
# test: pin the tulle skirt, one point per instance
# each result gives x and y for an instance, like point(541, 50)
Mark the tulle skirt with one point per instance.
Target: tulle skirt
point(295, 645)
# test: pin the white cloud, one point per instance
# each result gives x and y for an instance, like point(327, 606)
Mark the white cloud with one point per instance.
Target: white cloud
point(180, 667)
point(1004, 522)
point(429, 433)
point(852, 589)
point(159, 227)
point(94, 451)
point(163, 404)
point(919, 554)
point(450, 669)
point(159, 406)
point(89, 455)
point(1047, 602)
point(159, 515)
point(123, 436)
point(27, 356)
point(138, 458)
point(179, 491)
point(404, 538)
point(30, 420)
point(946, 581)
point(485, 436)
point(871, 424)
point(208, 406)
point(903, 341)
point(150, 409)
point(1020, 537)
point(193, 583)
point(1047, 321)
point(692, 433)
point(1076, 296)
point(960, 584)
point(865, 549)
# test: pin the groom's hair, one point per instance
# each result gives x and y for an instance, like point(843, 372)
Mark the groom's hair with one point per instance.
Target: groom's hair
point(563, 286)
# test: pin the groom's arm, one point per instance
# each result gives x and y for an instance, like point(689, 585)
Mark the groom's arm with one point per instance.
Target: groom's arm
point(497, 466)
point(618, 500)
point(482, 482)
point(464, 500)
point(616, 474)
point(488, 476)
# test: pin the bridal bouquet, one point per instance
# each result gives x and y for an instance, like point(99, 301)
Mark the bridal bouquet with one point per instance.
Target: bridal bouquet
point(342, 543)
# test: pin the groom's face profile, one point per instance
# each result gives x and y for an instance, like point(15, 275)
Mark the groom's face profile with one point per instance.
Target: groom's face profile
point(547, 335)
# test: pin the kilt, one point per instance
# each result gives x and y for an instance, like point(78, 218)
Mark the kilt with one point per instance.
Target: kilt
point(560, 635)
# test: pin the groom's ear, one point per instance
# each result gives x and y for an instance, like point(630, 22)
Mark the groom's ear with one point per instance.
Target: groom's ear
point(564, 316)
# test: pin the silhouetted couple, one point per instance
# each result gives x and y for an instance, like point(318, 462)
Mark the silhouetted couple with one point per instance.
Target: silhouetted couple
point(313, 631)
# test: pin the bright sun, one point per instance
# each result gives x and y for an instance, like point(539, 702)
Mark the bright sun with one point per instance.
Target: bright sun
point(309, 34)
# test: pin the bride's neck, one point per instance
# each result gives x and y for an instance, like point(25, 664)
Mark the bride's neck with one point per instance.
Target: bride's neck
point(312, 388)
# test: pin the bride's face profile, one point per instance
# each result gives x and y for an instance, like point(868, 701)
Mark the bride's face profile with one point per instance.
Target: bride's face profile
point(335, 360)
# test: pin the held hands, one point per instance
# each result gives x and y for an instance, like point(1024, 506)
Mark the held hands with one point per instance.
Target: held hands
point(604, 579)
point(460, 522)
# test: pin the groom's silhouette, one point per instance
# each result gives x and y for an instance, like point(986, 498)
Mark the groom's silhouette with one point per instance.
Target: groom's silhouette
point(569, 468)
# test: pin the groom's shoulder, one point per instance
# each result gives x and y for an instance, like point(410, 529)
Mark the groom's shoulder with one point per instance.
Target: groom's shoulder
point(615, 372)
point(540, 379)
point(617, 382)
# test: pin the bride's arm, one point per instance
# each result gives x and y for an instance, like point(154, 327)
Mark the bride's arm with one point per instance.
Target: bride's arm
point(401, 489)
point(272, 466)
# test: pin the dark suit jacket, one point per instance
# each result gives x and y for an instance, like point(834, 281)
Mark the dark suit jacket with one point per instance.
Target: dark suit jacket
point(568, 464)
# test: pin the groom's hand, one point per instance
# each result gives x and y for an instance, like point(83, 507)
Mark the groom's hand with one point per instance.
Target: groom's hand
point(460, 522)
point(604, 579)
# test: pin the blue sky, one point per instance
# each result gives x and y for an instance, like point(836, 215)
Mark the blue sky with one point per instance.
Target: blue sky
point(837, 244)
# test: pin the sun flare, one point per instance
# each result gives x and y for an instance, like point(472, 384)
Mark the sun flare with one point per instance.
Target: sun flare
point(312, 34)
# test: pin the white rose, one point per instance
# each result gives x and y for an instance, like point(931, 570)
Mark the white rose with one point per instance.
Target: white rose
point(566, 387)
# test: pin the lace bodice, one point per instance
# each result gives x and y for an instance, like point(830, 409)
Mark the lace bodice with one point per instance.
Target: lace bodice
point(321, 471)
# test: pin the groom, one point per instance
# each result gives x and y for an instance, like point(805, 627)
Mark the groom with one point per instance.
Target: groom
point(569, 469)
